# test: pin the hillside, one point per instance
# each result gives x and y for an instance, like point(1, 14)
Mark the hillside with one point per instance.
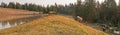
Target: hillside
point(9, 14)
point(52, 25)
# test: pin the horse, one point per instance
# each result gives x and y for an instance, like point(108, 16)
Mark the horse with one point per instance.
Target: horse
point(80, 19)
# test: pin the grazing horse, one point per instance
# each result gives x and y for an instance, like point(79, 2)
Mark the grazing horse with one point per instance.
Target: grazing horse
point(80, 19)
point(52, 12)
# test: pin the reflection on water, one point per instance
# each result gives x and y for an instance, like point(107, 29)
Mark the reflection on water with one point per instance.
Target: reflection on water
point(16, 22)
point(4, 25)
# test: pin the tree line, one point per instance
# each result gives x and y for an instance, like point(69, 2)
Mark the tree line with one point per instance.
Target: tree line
point(107, 12)
point(90, 10)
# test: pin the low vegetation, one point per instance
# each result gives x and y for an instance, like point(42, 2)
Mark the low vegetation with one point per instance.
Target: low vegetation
point(52, 25)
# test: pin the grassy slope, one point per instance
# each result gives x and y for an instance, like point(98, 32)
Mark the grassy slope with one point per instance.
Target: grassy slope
point(52, 25)
point(8, 14)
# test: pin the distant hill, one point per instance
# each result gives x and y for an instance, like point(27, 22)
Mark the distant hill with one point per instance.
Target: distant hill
point(8, 14)
point(52, 25)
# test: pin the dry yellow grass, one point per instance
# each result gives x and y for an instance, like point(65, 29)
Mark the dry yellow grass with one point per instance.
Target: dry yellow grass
point(52, 25)
point(9, 14)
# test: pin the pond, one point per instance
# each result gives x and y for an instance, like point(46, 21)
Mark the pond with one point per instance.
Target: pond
point(4, 25)
point(16, 22)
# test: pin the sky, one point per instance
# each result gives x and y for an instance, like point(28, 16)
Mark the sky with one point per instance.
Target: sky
point(46, 2)
point(117, 1)
point(41, 2)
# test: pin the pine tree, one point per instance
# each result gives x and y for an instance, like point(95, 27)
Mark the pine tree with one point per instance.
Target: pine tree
point(109, 12)
point(3, 5)
point(11, 5)
point(90, 10)
point(18, 6)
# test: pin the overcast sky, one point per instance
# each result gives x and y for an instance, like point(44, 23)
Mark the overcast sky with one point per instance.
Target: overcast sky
point(41, 2)
point(44, 2)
